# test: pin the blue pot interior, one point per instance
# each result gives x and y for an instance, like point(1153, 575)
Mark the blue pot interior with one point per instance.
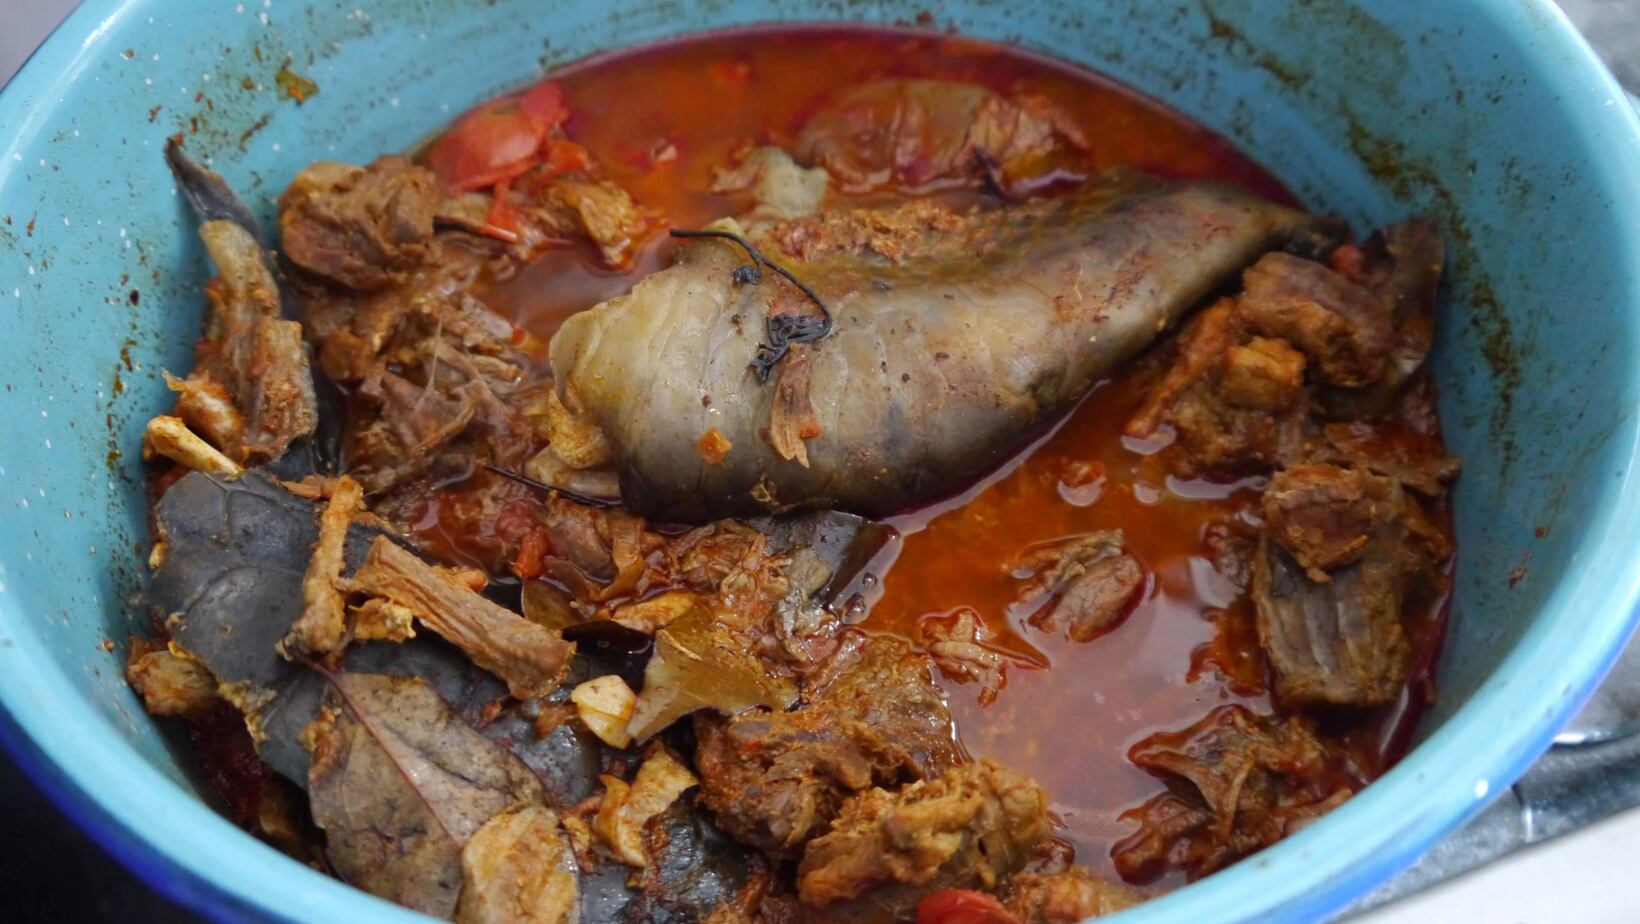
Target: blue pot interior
point(1380, 111)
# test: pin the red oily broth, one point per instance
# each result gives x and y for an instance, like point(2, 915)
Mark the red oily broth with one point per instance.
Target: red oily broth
point(661, 119)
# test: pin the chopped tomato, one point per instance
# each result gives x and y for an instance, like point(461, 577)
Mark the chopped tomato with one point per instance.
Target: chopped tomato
point(963, 906)
point(1347, 261)
point(534, 548)
point(501, 214)
point(565, 156)
point(498, 140)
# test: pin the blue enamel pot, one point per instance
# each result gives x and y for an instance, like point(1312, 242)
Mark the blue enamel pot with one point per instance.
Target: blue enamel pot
point(1491, 115)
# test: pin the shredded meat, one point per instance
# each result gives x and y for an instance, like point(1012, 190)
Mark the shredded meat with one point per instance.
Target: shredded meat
point(774, 780)
point(1238, 782)
point(1084, 582)
point(248, 352)
point(169, 681)
point(517, 867)
point(529, 658)
point(602, 212)
point(958, 649)
point(915, 133)
point(791, 414)
point(1066, 897)
point(359, 227)
point(967, 828)
point(322, 628)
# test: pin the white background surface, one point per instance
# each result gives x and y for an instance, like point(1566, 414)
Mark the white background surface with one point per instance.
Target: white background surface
point(1590, 877)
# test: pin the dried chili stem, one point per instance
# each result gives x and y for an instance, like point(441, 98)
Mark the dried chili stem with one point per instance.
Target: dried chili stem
point(783, 329)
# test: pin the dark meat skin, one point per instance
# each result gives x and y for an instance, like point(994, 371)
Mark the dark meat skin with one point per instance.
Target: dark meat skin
point(774, 780)
point(955, 335)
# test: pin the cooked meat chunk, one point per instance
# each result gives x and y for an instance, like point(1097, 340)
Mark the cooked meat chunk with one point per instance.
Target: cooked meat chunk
point(967, 828)
point(1402, 265)
point(1345, 328)
point(775, 780)
point(518, 869)
point(360, 227)
point(936, 368)
point(529, 658)
point(322, 628)
point(919, 133)
point(1344, 553)
point(600, 211)
point(1324, 515)
point(1237, 782)
point(251, 352)
point(1084, 582)
point(958, 649)
point(1219, 415)
point(168, 680)
point(1420, 465)
point(1263, 375)
point(1067, 897)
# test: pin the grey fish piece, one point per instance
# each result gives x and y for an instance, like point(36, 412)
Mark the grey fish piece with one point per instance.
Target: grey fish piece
point(958, 334)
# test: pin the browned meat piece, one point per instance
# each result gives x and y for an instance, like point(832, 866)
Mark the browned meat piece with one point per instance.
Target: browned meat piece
point(1238, 782)
point(1338, 642)
point(958, 649)
point(1085, 582)
point(1421, 466)
point(1225, 421)
point(529, 658)
point(918, 133)
point(322, 628)
point(169, 681)
point(360, 227)
point(518, 868)
point(1345, 328)
point(1263, 375)
point(1402, 264)
point(967, 828)
point(250, 352)
point(774, 780)
point(1324, 515)
point(600, 211)
point(1067, 897)
point(1344, 552)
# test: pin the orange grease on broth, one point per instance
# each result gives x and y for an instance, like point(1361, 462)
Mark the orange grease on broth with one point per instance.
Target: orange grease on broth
point(662, 118)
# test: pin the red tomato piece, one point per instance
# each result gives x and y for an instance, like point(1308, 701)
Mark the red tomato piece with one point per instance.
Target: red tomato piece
point(1347, 260)
point(534, 548)
point(963, 906)
point(498, 140)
